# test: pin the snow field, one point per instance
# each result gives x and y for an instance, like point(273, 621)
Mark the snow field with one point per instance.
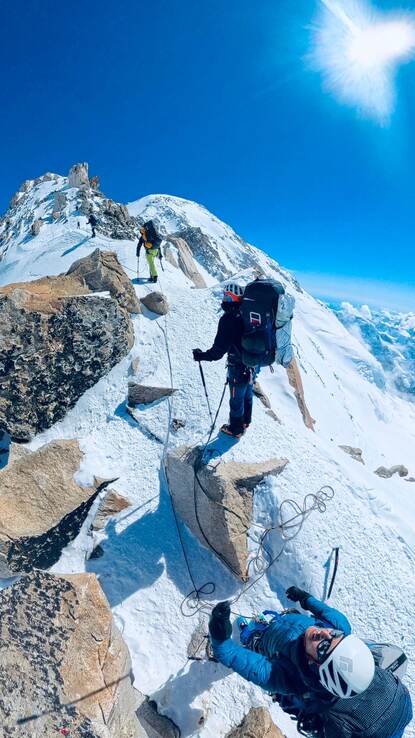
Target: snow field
point(143, 573)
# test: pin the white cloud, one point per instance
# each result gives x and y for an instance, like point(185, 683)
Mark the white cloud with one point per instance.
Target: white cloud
point(367, 292)
point(363, 312)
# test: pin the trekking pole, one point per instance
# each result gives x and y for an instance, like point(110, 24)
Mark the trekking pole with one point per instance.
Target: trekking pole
point(206, 392)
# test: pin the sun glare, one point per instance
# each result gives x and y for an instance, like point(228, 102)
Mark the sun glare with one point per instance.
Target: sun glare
point(382, 44)
point(359, 52)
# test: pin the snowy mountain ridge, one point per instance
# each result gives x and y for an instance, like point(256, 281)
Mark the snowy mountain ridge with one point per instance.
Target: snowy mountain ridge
point(142, 571)
point(390, 337)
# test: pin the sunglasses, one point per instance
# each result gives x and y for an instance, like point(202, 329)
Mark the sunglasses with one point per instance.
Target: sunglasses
point(325, 643)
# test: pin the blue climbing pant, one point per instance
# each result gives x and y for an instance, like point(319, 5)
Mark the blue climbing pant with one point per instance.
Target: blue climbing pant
point(241, 387)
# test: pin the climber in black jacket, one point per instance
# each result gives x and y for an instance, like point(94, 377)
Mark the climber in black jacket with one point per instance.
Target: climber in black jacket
point(240, 377)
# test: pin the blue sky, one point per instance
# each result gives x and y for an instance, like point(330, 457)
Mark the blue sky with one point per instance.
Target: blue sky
point(214, 101)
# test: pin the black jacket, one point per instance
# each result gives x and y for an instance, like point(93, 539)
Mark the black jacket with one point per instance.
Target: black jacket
point(141, 242)
point(139, 245)
point(228, 339)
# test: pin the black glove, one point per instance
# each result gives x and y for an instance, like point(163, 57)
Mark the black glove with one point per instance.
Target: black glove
point(220, 627)
point(295, 594)
point(198, 354)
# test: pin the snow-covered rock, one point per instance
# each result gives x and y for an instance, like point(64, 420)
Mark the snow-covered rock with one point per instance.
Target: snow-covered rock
point(355, 453)
point(36, 226)
point(399, 469)
point(216, 501)
point(42, 508)
point(102, 272)
point(185, 260)
point(156, 302)
point(78, 175)
point(143, 394)
point(111, 504)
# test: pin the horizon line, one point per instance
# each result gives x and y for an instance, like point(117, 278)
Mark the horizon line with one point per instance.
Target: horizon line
point(377, 293)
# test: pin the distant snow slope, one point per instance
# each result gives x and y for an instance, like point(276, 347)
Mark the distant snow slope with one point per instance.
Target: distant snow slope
point(142, 570)
point(390, 337)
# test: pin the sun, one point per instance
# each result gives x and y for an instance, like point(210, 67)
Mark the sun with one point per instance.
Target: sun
point(359, 51)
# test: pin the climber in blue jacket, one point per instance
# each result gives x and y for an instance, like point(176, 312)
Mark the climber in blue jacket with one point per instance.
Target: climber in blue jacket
point(316, 669)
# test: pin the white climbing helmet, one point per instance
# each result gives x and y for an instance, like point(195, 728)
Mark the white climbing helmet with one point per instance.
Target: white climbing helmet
point(348, 669)
point(233, 292)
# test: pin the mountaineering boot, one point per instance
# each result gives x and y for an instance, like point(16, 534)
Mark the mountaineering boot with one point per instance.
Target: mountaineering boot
point(153, 279)
point(235, 427)
point(229, 430)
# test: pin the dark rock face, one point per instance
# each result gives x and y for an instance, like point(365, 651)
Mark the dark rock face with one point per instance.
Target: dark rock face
point(49, 359)
point(48, 624)
point(29, 673)
point(114, 219)
point(42, 552)
point(94, 183)
point(204, 250)
point(186, 262)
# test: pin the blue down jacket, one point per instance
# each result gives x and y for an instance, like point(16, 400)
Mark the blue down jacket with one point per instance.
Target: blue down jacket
point(282, 668)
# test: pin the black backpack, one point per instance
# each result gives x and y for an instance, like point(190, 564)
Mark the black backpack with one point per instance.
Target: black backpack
point(152, 235)
point(259, 311)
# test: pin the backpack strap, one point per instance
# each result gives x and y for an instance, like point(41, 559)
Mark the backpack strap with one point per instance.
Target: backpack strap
point(397, 663)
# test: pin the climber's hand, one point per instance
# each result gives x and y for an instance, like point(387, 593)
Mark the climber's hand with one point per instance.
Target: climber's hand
point(220, 627)
point(295, 594)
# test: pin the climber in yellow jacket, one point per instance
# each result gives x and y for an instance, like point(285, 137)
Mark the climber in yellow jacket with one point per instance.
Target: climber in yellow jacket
point(151, 241)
